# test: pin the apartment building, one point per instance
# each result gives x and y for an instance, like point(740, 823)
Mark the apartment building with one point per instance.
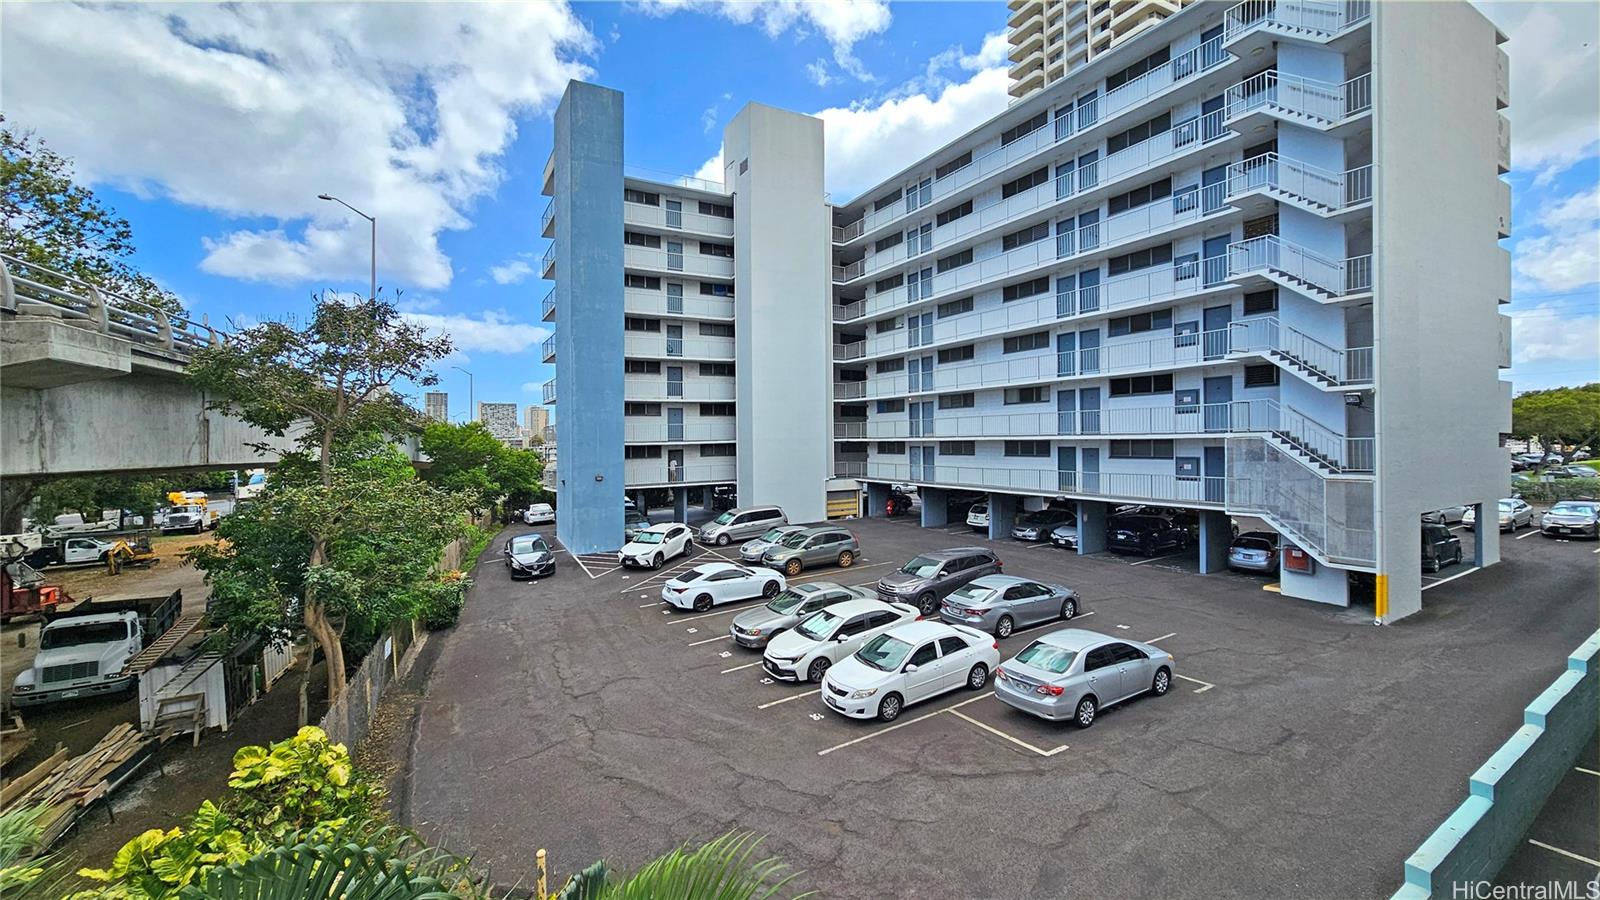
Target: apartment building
point(501, 420)
point(690, 322)
point(436, 405)
point(535, 420)
point(1243, 262)
point(1051, 38)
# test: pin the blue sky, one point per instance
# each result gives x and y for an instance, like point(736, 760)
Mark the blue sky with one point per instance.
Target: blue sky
point(212, 129)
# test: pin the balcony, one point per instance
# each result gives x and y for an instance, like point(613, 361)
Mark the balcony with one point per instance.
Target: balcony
point(850, 468)
point(548, 181)
point(659, 303)
point(550, 392)
point(1318, 362)
point(658, 217)
point(547, 221)
point(651, 472)
point(1024, 11)
point(635, 431)
point(1284, 180)
point(855, 350)
point(1297, 100)
point(849, 429)
point(549, 350)
point(668, 260)
point(547, 306)
point(654, 346)
point(547, 265)
point(1188, 491)
point(843, 233)
point(650, 389)
point(1257, 23)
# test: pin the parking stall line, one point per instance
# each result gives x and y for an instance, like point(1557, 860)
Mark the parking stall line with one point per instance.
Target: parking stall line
point(1587, 771)
point(888, 728)
point(1001, 734)
point(1451, 578)
point(790, 697)
point(725, 637)
point(827, 575)
point(1156, 559)
point(740, 668)
point(1207, 685)
point(1053, 623)
point(1595, 550)
point(1162, 638)
point(1528, 535)
point(1567, 853)
point(735, 606)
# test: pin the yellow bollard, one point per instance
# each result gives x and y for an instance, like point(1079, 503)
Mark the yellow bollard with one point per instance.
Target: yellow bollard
point(543, 875)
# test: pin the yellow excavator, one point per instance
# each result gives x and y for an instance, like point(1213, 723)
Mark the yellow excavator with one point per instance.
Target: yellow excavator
point(134, 552)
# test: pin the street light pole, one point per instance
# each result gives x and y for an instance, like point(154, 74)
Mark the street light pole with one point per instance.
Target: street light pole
point(373, 221)
point(472, 404)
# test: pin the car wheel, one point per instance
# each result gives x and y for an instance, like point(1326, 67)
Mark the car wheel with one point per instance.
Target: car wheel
point(1162, 682)
point(769, 590)
point(978, 677)
point(722, 540)
point(1084, 717)
point(889, 708)
point(846, 559)
point(1458, 556)
point(928, 604)
point(792, 567)
point(702, 603)
point(1069, 608)
point(818, 669)
point(657, 561)
point(1004, 627)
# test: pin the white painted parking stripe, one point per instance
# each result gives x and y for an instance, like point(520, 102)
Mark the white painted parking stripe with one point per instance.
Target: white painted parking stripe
point(1451, 578)
point(828, 575)
point(1053, 622)
point(579, 561)
point(725, 637)
point(1162, 638)
point(888, 728)
point(1528, 535)
point(735, 606)
point(1038, 545)
point(1155, 559)
point(1567, 853)
point(1595, 550)
point(998, 733)
point(1208, 685)
point(790, 697)
point(1587, 771)
point(738, 668)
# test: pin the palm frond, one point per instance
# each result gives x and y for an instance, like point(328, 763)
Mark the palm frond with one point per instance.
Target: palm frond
point(388, 864)
point(722, 869)
point(22, 875)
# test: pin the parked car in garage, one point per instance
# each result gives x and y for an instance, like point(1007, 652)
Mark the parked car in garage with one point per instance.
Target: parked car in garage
point(709, 584)
point(1072, 674)
point(806, 651)
point(655, 545)
point(633, 523)
point(929, 577)
point(908, 664)
point(757, 627)
point(822, 545)
point(1440, 547)
point(1512, 513)
point(750, 551)
point(1036, 526)
point(527, 556)
point(1449, 515)
point(1000, 604)
point(1254, 551)
point(978, 516)
point(1065, 536)
point(1578, 518)
point(1144, 534)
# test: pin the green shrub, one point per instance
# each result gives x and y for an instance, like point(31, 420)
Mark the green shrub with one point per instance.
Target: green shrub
point(440, 601)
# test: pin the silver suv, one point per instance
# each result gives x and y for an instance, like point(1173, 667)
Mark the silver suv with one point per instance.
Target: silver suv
point(928, 578)
point(740, 524)
point(822, 545)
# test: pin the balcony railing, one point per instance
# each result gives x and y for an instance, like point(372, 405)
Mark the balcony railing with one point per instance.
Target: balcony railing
point(547, 306)
point(1272, 254)
point(659, 217)
point(547, 266)
point(843, 233)
point(846, 430)
point(547, 218)
point(656, 346)
point(668, 432)
point(1358, 365)
point(1047, 480)
point(849, 390)
point(641, 472)
point(1324, 103)
point(1269, 337)
point(849, 272)
point(550, 391)
point(854, 350)
point(549, 349)
point(662, 389)
point(699, 306)
point(677, 261)
point(850, 468)
point(1316, 17)
point(1358, 274)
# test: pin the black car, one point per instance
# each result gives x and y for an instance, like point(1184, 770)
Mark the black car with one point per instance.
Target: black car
point(1440, 547)
point(1148, 535)
point(527, 555)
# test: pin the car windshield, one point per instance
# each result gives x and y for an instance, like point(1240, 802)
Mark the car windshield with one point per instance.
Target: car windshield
point(922, 567)
point(817, 625)
point(78, 635)
point(1047, 657)
point(648, 537)
point(786, 602)
point(1507, 506)
point(723, 519)
point(1252, 544)
point(773, 534)
point(530, 544)
point(972, 593)
point(796, 539)
point(635, 518)
point(1567, 506)
point(884, 653)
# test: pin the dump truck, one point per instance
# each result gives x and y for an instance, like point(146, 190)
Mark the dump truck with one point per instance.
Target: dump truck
point(84, 651)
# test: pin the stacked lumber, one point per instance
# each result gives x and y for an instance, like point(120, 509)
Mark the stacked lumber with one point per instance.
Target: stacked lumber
point(68, 786)
point(14, 739)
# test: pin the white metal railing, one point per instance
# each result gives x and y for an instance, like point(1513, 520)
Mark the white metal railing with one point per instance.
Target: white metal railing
point(1358, 365)
point(660, 176)
point(690, 263)
point(549, 348)
point(720, 430)
point(639, 300)
point(848, 312)
point(1358, 185)
point(1328, 515)
point(1272, 253)
point(849, 390)
point(846, 468)
point(547, 217)
point(550, 391)
point(692, 389)
point(1180, 67)
point(547, 306)
point(656, 345)
point(547, 264)
point(849, 429)
point(30, 289)
point(1269, 171)
point(1358, 274)
point(849, 272)
point(1323, 18)
point(854, 350)
point(659, 217)
point(848, 232)
point(1045, 479)
point(640, 472)
point(1267, 336)
point(1326, 102)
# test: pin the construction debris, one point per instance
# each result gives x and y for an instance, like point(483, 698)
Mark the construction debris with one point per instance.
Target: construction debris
point(14, 738)
point(68, 787)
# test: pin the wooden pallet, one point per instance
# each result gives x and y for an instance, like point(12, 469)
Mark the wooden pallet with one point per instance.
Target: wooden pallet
point(14, 739)
point(68, 786)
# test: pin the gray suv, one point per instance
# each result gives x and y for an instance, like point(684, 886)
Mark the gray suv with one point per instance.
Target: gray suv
point(821, 545)
point(741, 524)
point(930, 577)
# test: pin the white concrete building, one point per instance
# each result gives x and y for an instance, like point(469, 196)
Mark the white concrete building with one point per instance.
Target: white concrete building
point(1049, 39)
point(436, 404)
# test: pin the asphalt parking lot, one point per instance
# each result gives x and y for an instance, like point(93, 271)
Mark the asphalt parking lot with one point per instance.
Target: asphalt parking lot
point(1303, 751)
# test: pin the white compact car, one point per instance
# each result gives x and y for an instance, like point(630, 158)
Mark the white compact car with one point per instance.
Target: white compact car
point(804, 652)
point(538, 514)
point(978, 517)
point(655, 545)
point(703, 587)
point(908, 664)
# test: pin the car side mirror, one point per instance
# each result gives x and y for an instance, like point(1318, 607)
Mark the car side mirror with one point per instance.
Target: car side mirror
point(911, 667)
point(841, 638)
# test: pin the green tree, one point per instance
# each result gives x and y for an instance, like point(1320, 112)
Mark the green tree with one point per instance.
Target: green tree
point(48, 220)
point(470, 459)
point(1562, 419)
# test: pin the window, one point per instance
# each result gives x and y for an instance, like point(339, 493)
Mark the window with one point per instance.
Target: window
point(1036, 449)
point(1118, 79)
point(888, 284)
point(633, 196)
point(955, 307)
point(1022, 343)
point(1135, 324)
point(919, 195)
point(886, 201)
point(1141, 384)
point(1031, 180)
point(641, 240)
point(883, 326)
point(716, 290)
point(1025, 236)
point(1150, 193)
point(715, 329)
point(717, 409)
point(647, 282)
point(720, 370)
point(883, 244)
point(893, 448)
point(960, 162)
point(919, 240)
point(954, 260)
point(1141, 449)
point(1022, 130)
point(1036, 394)
point(641, 453)
point(919, 284)
point(1040, 285)
point(1260, 376)
point(957, 448)
point(957, 401)
point(641, 367)
point(956, 354)
point(891, 406)
point(716, 209)
point(1139, 259)
point(1140, 133)
point(709, 249)
point(953, 213)
point(641, 409)
point(635, 323)
point(923, 655)
point(718, 449)
point(1260, 301)
point(886, 366)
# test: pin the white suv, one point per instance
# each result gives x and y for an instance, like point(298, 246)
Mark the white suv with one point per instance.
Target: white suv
point(804, 652)
point(978, 516)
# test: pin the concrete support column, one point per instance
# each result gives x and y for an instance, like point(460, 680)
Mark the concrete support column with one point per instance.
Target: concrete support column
point(1486, 541)
point(1002, 515)
point(1092, 517)
point(877, 499)
point(639, 501)
point(935, 507)
point(680, 505)
point(1216, 533)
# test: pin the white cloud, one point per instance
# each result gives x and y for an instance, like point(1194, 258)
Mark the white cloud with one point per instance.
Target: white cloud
point(251, 110)
point(490, 331)
point(1564, 253)
point(1544, 333)
point(842, 22)
point(532, 387)
point(512, 271)
point(818, 73)
point(1554, 93)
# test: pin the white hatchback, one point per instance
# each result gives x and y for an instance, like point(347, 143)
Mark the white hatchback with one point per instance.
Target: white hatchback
point(908, 664)
point(804, 652)
point(978, 517)
point(703, 587)
point(655, 545)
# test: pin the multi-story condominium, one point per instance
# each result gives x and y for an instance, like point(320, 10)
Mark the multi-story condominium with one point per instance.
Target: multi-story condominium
point(501, 420)
point(1245, 262)
point(1051, 38)
point(436, 404)
point(535, 420)
point(691, 331)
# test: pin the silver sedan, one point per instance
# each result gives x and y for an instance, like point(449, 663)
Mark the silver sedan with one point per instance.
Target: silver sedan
point(1072, 674)
point(1000, 604)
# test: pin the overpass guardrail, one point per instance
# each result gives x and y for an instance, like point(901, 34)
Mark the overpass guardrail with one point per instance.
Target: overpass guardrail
point(31, 289)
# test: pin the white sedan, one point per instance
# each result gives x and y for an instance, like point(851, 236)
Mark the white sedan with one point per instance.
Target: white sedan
point(655, 545)
point(806, 651)
point(538, 514)
point(908, 664)
point(703, 587)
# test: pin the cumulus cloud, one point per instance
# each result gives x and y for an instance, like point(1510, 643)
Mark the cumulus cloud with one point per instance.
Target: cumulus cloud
point(512, 271)
point(1545, 333)
point(842, 22)
point(1563, 254)
point(817, 72)
point(490, 332)
point(251, 110)
point(1554, 93)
